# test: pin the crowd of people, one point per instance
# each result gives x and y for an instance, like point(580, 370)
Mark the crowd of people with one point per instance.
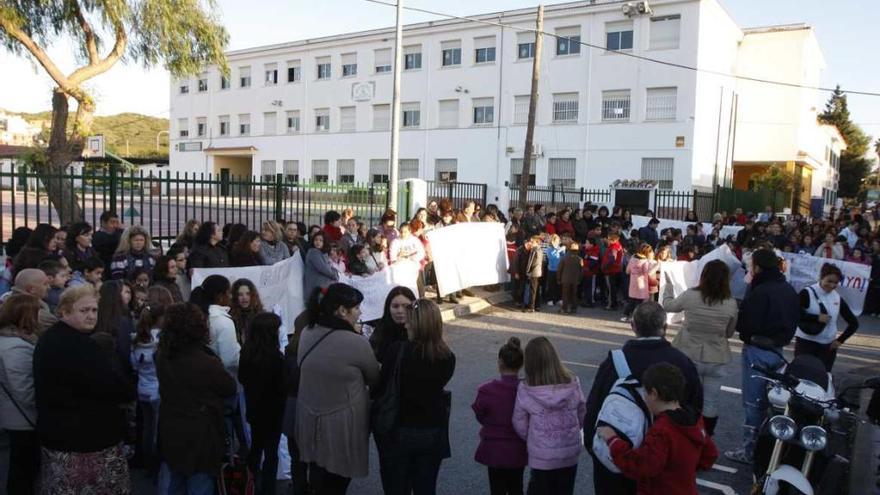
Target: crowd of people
point(110, 359)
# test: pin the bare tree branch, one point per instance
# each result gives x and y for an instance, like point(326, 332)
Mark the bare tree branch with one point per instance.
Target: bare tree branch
point(88, 32)
point(82, 74)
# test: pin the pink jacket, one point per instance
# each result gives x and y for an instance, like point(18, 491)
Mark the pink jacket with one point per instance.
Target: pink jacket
point(639, 270)
point(549, 418)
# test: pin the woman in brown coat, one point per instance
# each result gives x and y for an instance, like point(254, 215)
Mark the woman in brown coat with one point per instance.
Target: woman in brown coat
point(192, 385)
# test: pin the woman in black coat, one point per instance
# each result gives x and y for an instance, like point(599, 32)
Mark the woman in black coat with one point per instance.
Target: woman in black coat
point(391, 327)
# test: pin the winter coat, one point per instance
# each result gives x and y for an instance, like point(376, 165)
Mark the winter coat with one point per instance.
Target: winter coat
point(193, 385)
point(208, 256)
point(17, 376)
point(570, 271)
point(318, 272)
point(500, 446)
point(534, 265)
point(246, 258)
point(649, 236)
point(124, 264)
point(549, 418)
point(674, 449)
point(77, 257)
point(223, 342)
point(273, 253)
point(333, 233)
point(563, 227)
point(771, 308)
point(143, 361)
point(592, 261)
point(333, 404)
point(612, 259)
point(45, 317)
point(554, 255)
point(105, 243)
point(348, 241)
point(706, 328)
point(639, 270)
point(263, 383)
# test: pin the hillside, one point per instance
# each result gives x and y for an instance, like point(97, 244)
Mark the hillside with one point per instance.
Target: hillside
point(138, 130)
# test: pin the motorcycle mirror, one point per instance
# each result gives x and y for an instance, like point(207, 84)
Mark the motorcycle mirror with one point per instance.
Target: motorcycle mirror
point(873, 382)
point(762, 342)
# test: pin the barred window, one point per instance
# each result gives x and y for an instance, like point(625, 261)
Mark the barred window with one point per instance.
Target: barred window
point(291, 170)
point(516, 170)
point(658, 169)
point(561, 172)
point(446, 169)
point(345, 171)
point(521, 109)
point(615, 105)
point(565, 107)
point(321, 171)
point(660, 104)
point(409, 168)
point(379, 171)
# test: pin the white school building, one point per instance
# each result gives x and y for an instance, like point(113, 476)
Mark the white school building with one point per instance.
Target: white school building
point(318, 110)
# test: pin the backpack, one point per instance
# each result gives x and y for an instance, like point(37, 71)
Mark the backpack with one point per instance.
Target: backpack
point(624, 410)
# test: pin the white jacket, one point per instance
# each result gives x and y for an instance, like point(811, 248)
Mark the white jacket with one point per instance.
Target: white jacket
point(17, 375)
point(223, 340)
point(142, 360)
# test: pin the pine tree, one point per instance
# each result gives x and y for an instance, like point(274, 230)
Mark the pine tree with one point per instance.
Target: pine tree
point(854, 166)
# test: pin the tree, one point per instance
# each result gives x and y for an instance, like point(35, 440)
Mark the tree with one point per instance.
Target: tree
point(182, 35)
point(774, 178)
point(854, 166)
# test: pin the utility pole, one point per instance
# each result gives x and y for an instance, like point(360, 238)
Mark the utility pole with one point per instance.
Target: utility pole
point(533, 106)
point(393, 163)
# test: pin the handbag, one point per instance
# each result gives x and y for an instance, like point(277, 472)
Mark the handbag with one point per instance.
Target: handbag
point(385, 410)
point(813, 327)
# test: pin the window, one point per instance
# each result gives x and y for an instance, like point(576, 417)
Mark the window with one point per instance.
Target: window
point(409, 168)
point(347, 119)
point(382, 62)
point(484, 50)
point(451, 51)
point(271, 74)
point(270, 123)
point(322, 119)
point(658, 169)
point(665, 32)
point(525, 46)
point(294, 71)
point(568, 41)
point(203, 83)
point(619, 35)
point(521, 109)
point(381, 117)
point(184, 88)
point(224, 125)
point(411, 114)
point(291, 170)
point(379, 171)
point(321, 171)
point(446, 169)
point(448, 113)
point(183, 127)
point(244, 124)
point(267, 170)
point(516, 170)
point(201, 126)
point(323, 64)
point(244, 77)
point(224, 82)
point(484, 111)
point(345, 171)
point(292, 121)
point(412, 57)
point(615, 105)
point(349, 64)
point(565, 107)
point(660, 104)
point(561, 172)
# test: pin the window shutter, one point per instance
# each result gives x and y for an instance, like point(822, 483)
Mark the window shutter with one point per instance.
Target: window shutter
point(484, 42)
point(665, 32)
point(448, 113)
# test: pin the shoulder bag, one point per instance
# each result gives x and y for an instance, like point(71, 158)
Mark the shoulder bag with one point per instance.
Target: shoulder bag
point(385, 410)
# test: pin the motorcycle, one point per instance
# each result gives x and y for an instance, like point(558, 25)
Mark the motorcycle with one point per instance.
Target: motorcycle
point(803, 444)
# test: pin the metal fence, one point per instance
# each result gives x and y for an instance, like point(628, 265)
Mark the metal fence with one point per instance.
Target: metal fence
point(675, 205)
point(560, 197)
point(729, 199)
point(458, 193)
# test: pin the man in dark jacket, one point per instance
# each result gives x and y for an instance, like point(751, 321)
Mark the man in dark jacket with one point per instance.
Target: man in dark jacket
point(649, 347)
point(648, 233)
point(770, 310)
point(106, 239)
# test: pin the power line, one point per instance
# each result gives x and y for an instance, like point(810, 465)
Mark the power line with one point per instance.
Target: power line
point(627, 54)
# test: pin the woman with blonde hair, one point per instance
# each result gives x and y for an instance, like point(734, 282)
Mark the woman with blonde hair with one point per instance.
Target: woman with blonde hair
point(548, 415)
point(272, 247)
point(133, 253)
point(410, 456)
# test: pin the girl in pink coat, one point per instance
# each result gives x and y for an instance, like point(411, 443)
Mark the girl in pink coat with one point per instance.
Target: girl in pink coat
point(548, 415)
point(640, 269)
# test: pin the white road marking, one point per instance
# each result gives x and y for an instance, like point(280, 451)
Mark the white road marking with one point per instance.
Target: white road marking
point(726, 490)
point(581, 364)
point(732, 390)
point(724, 469)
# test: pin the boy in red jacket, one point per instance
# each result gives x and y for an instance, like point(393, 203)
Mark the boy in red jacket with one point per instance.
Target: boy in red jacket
point(612, 266)
point(591, 271)
point(676, 445)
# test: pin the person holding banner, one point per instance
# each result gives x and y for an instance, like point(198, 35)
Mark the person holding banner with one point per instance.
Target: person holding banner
point(318, 270)
point(821, 306)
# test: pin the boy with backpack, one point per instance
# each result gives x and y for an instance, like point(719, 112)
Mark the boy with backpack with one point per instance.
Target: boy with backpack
point(676, 445)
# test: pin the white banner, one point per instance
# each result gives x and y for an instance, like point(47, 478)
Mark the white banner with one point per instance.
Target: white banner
point(376, 287)
point(640, 221)
point(469, 255)
point(804, 270)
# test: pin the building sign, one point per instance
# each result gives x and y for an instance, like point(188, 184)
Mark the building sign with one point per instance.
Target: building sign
point(363, 91)
point(190, 146)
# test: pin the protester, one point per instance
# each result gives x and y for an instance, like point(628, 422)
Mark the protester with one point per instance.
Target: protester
point(410, 457)
point(500, 448)
point(293, 240)
point(92, 273)
point(41, 245)
point(569, 276)
point(533, 265)
point(179, 253)
point(391, 328)
point(78, 246)
point(244, 305)
point(206, 252)
point(352, 236)
point(213, 298)
point(592, 272)
point(115, 327)
point(193, 385)
point(641, 270)
point(18, 411)
point(58, 276)
point(188, 235)
point(821, 307)
point(319, 273)
point(553, 254)
point(333, 404)
point(357, 260)
point(612, 266)
point(649, 347)
point(272, 247)
point(165, 276)
point(332, 226)
point(548, 415)
point(710, 314)
point(247, 251)
point(378, 244)
point(132, 253)
point(78, 398)
point(261, 374)
point(34, 282)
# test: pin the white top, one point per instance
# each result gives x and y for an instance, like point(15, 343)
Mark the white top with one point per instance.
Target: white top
point(223, 340)
point(831, 300)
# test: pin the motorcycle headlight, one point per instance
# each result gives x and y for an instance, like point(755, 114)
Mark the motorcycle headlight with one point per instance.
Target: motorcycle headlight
point(814, 438)
point(783, 427)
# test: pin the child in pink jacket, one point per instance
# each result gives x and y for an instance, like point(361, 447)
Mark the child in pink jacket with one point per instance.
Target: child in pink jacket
point(640, 270)
point(548, 415)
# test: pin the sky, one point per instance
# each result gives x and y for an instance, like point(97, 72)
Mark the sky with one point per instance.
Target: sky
point(846, 34)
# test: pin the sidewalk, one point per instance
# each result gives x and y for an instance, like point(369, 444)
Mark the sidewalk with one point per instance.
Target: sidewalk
point(483, 298)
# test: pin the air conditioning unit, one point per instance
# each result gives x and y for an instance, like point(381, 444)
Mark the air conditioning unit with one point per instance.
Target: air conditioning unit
point(632, 9)
point(629, 9)
point(644, 8)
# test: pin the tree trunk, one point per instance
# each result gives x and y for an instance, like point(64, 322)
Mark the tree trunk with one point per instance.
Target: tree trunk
point(61, 151)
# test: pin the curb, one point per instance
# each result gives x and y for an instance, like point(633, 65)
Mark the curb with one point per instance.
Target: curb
point(474, 305)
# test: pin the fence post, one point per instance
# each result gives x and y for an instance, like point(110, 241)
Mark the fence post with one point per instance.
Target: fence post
point(553, 194)
point(114, 184)
point(279, 196)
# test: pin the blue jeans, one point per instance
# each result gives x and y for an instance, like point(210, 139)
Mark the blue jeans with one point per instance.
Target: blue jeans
point(754, 392)
point(171, 483)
